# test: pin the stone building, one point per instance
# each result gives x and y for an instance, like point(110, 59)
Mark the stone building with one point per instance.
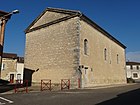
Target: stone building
point(8, 66)
point(12, 67)
point(65, 44)
point(133, 70)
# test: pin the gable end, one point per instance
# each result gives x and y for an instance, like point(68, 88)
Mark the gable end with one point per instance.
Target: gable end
point(72, 13)
point(68, 14)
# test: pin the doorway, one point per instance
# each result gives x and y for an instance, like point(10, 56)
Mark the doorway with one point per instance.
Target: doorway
point(85, 76)
point(11, 78)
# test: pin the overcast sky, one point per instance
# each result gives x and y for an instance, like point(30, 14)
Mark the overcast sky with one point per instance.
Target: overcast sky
point(121, 18)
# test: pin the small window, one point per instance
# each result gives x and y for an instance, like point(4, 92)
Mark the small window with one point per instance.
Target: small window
point(131, 67)
point(18, 76)
point(137, 67)
point(105, 54)
point(85, 46)
point(117, 59)
point(135, 75)
point(91, 69)
point(3, 66)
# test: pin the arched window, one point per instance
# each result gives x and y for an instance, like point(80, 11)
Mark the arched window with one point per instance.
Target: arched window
point(105, 54)
point(117, 59)
point(85, 46)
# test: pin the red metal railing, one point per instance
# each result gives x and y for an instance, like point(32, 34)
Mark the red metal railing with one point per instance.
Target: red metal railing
point(21, 84)
point(65, 84)
point(46, 84)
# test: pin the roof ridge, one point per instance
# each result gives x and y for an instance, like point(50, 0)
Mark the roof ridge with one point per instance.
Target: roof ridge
point(61, 9)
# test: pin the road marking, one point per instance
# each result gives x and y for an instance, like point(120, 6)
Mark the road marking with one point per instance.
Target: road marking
point(9, 101)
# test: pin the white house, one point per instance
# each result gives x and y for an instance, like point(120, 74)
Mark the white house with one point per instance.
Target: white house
point(133, 70)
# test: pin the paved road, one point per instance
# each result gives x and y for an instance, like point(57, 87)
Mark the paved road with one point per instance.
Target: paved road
point(123, 95)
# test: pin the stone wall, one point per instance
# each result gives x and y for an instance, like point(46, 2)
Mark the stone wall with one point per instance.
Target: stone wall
point(10, 66)
point(48, 17)
point(58, 51)
point(54, 51)
point(101, 71)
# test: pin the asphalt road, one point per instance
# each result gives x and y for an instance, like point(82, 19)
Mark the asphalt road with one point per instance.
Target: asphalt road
point(123, 95)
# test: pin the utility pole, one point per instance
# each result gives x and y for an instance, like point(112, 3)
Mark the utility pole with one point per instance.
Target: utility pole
point(3, 20)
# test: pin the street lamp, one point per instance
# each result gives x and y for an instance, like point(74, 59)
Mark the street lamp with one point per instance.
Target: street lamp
point(8, 15)
point(15, 11)
point(3, 21)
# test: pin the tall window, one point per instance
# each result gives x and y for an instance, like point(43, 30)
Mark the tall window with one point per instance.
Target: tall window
point(85, 46)
point(18, 76)
point(105, 54)
point(131, 67)
point(3, 66)
point(137, 67)
point(117, 59)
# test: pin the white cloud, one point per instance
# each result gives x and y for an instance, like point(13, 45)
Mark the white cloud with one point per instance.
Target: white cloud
point(133, 56)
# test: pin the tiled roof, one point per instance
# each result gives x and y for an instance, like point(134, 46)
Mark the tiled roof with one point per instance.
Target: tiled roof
point(132, 63)
point(9, 55)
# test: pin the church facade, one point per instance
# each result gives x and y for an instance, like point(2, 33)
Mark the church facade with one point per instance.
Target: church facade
point(65, 44)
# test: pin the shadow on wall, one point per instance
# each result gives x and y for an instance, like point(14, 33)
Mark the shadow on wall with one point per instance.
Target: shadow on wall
point(128, 98)
point(27, 75)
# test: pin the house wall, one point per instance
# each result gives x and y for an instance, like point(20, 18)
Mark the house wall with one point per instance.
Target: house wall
point(131, 72)
point(54, 51)
point(20, 68)
point(100, 71)
point(9, 66)
point(128, 71)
